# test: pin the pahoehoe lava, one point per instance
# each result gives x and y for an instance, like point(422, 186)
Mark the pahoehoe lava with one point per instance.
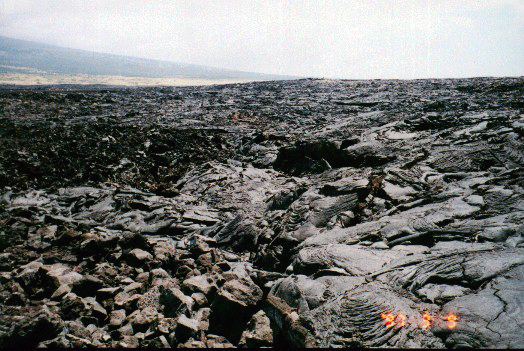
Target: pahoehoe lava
point(287, 213)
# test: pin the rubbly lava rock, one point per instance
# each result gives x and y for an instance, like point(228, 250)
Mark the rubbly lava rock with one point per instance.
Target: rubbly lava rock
point(306, 213)
point(259, 333)
point(231, 309)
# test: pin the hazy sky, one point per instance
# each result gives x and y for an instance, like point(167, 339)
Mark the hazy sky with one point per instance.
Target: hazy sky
point(336, 39)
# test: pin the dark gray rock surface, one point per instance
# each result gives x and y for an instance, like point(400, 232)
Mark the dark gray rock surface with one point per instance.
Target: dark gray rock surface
point(309, 213)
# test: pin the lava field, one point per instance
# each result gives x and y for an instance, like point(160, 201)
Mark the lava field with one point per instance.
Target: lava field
point(304, 213)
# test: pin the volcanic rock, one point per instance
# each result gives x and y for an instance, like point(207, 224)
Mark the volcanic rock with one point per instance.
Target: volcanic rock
point(378, 213)
point(259, 333)
point(186, 328)
point(235, 301)
point(175, 302)
point(87, 286)
point(138, 257)
point(117, 318)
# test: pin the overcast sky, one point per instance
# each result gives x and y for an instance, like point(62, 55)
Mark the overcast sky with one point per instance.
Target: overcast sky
point(334, 39)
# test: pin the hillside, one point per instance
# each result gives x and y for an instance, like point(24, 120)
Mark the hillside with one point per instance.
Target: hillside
point(26, 57)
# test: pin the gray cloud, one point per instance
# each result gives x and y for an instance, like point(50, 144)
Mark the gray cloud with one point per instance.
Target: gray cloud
point(338, 39)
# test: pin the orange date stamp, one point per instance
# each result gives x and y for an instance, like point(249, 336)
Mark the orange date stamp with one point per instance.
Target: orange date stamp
point(426, 322)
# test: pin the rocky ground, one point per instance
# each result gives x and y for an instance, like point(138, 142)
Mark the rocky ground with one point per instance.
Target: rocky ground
point(309, 213)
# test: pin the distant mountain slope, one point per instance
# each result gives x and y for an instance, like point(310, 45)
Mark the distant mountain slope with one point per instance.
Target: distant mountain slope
point(21, 56)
